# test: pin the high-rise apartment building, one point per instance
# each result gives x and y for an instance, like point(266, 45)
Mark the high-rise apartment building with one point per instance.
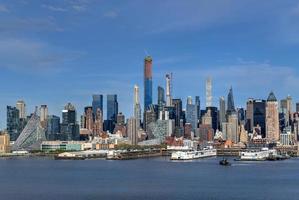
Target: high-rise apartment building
point(98, 122)
point(137, 107)
point(168, 90)
point(88, 118)
point(132, 130)
point(148, 82)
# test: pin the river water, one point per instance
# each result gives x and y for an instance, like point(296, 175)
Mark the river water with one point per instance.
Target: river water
point(154, 178)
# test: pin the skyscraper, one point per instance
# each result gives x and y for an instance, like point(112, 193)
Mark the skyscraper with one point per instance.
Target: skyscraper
point(97, 102)
point(53, 127)
point(259, 115)
point(178, 105)
point(132, 130)
point(112, 111)
point(88, 118)
point(230, 102)
point(112, 107)
point(21, 106)
point(151, 115)
point(137, 108)
point(161, 98)
point(249, 115)
point(272, 118)
point(98, 122)
point(197, 103)
point(12, 122)
point(69, 128)
point(286, 109)
point(148, 82)
point(233, 134)
point(168, 90)
point(44, 115)
point(222, 116)
point(191, 114)
point(209, 98)
point(297, 107)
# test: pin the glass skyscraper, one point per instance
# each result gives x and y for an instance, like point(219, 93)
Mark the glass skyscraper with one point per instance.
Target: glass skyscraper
point(12, 122)
point(230, 102)
point(69, 128)
point(161, 98)
point(191, 114)
point(97, 102)
point(112, 111)
point(53, 127)
point(112, 107)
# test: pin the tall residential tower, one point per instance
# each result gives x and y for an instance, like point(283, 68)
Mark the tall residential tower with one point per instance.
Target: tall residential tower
point(148, 82)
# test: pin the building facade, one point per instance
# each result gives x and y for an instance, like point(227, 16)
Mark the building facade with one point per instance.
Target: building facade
point(272, 118)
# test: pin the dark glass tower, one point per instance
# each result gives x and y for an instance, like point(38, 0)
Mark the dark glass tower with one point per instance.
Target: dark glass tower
point(97, 102)
point(112, 111)
point(197, 103)
point(178, 105)
point(112, 107)
point(259, 115)
point(53, 127)
point(148, 83)
point(161, 98)
point(230, 102)
point(69, 128)
point(12, 123)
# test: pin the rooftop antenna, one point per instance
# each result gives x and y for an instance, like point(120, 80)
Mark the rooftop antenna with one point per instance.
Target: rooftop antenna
point(146, 53)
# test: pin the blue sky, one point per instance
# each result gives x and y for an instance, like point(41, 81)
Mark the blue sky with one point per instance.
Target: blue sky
point(59, 51)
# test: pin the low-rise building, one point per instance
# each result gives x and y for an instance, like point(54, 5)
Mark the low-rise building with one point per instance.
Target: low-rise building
point(4, 143)
point(62, 146)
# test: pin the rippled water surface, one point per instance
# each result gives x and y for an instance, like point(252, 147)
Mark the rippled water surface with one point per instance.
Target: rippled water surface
point(155, 178)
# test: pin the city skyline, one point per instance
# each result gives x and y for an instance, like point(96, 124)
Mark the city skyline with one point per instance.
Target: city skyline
point(192, 46)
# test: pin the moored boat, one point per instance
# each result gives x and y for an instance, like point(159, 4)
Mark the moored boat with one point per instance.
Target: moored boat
point(257, 155)
point(190, 155)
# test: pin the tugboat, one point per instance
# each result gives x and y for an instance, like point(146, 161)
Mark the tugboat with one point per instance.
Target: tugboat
point(224, 162)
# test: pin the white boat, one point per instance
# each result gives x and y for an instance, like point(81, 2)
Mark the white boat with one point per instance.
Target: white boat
point(190, 155)
point(260, 155)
